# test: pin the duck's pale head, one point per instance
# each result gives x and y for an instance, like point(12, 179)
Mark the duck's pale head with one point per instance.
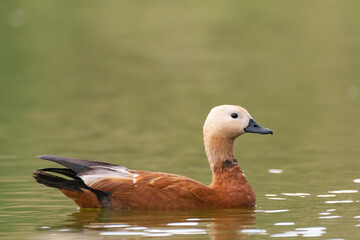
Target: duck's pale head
point(222, 126)
point(231, 121)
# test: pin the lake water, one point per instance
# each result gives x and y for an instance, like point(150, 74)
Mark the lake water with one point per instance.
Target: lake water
point(132, 82)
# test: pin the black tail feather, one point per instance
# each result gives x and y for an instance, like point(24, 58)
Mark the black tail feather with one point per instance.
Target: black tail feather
point(64, 171)
point(77, 165)
point(58, 182)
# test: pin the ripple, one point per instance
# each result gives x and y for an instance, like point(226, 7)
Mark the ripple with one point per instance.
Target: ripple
point(277, 171)
point(121, 233)
point(356, 180)
point(136, 228)
point(331, 210)
point(326, 195)
point(274, 198)
point(254, 231)
point(155, 232)
point(329, 217)
point(259, 210)
point(311, 231)
point(344, 191)
point(324, 213)
point(276, 211)
point(184, 231)
point(284, 224)
point(183, 224)
point(305, 232)
point(296, 194)
point(341, 201)
point(285, 234)
point(116, 225)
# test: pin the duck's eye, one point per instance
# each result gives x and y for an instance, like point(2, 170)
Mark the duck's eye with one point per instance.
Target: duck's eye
point(234, 115)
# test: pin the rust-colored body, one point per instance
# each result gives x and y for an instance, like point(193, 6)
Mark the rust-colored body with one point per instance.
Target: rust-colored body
point(162, 191)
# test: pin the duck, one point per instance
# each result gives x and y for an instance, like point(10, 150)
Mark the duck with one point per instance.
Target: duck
point(95, 184)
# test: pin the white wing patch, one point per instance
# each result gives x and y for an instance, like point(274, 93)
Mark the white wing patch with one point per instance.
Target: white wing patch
point(97, 174)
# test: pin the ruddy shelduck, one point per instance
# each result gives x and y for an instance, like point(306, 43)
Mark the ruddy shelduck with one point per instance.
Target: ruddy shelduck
point(93, 184)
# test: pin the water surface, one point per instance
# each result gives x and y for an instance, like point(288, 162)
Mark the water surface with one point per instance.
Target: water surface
point(132, 82)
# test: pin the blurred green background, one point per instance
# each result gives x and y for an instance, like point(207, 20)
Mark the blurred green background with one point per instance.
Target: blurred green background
point(131, 82)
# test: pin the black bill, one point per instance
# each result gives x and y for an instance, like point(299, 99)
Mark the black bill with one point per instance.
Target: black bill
point(253, 127)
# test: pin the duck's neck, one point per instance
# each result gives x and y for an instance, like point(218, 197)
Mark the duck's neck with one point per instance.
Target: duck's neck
point(228, 180)
point(220, 152)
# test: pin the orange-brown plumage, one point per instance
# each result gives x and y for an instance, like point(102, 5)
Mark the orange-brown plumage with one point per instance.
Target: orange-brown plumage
point(103, 185)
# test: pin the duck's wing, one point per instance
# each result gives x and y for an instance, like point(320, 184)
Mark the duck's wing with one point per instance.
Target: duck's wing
point(135, 189)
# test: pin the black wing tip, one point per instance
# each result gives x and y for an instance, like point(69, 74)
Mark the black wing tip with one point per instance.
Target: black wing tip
point(48, 157)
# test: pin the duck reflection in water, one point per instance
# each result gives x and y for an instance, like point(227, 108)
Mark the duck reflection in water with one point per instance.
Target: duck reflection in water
point(215, 224)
